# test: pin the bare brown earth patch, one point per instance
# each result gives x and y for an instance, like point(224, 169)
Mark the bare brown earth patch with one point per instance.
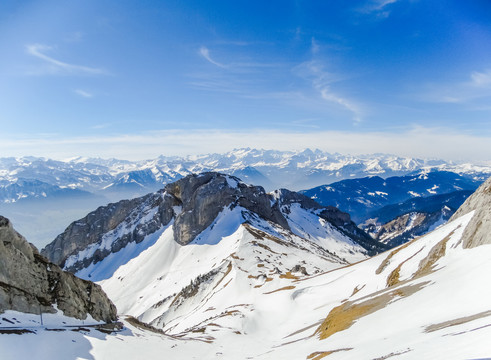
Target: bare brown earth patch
point(427, 265)
point(343, 316)
point(281, 289)
point(322, 354)
point(455, 322)
point(386, 261)
point(393, 278)
point(289, 275)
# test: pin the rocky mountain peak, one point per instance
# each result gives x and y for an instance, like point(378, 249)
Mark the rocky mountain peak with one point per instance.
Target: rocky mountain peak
point(29, 283)
point(190, 205)
point(203, 196)
point(478, 230)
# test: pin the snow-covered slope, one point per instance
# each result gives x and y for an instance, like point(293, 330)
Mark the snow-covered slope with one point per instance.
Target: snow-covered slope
point(427, 299)
point(190, 286)
point(400, 304)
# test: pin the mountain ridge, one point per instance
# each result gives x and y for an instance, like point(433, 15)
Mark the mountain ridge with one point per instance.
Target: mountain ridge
point(192, 204)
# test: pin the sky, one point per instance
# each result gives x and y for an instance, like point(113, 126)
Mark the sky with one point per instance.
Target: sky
point(136, 79)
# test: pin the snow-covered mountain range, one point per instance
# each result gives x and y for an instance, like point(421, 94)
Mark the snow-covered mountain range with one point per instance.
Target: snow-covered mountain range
point(42, 196)
point(237, 284)
point(362, 198)
point(269, 168)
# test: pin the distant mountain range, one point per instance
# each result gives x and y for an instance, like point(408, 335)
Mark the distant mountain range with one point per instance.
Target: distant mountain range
point(42, 196)
point(269, 168)
point(365, 198)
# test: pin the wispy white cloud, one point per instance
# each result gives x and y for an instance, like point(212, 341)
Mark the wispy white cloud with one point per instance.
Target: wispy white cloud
point(83, 93)
point(59, 67)
point(415, 142)
point(322, 82)
point(481, 78)
point(377, 7)
point(205, 53)
point(470, 91)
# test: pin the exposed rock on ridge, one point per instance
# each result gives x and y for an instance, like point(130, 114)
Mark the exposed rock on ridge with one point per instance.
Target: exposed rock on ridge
point(192, 203)
point(123, 217)
point(340, 220)
point(30, 283)
point(204, 196)
point(478, 231)
point(407, 226)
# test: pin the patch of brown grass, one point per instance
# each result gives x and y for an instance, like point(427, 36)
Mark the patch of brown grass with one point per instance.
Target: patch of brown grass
point(393, 278)
point(386, 261)
point(289, 275)
point(427, 265)
point(455, 322)
point(281, 289)
point(322, 354)
point(343, 316)
point(234, 256)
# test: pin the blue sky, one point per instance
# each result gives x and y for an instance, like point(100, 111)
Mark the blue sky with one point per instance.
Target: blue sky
point(135, 79)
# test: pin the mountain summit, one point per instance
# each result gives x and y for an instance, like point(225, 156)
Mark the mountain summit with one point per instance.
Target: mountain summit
point(192, 206)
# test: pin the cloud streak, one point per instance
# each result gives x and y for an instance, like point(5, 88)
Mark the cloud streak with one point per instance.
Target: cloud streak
point(83, 93)
point(56, 66)
point(322, 82)
point(205, 53)
point(476, 88)
point(377, 7)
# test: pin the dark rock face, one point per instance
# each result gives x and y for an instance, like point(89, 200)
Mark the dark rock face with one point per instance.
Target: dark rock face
point(125, 214)
point(193, 204)
point(30, 283)
point(409, 226)
point(204, 196)
point(340, 220)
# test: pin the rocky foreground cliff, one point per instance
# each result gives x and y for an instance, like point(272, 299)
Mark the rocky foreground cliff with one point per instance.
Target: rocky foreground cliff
point(190, 205)
point(29, 283)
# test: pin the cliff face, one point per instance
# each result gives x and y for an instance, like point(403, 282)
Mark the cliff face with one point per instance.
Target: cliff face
point(190, 205)
point(30, 283)
point(478, 232)
point(203, 196)
point(132, 220)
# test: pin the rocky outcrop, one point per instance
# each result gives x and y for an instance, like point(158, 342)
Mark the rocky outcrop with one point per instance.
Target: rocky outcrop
point(339, 219)
point(478, 231)
point(132, 220)
point(408, 226)
point(203, 196)
point(30, 283)
point(192, 203)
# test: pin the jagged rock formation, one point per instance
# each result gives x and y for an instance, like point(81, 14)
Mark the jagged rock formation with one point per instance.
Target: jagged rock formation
point(30, 283)
point(341, 220)
point(203, 196)
point(408, 226)
point(192, 203)
point(120, 217)
point(478, 232)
